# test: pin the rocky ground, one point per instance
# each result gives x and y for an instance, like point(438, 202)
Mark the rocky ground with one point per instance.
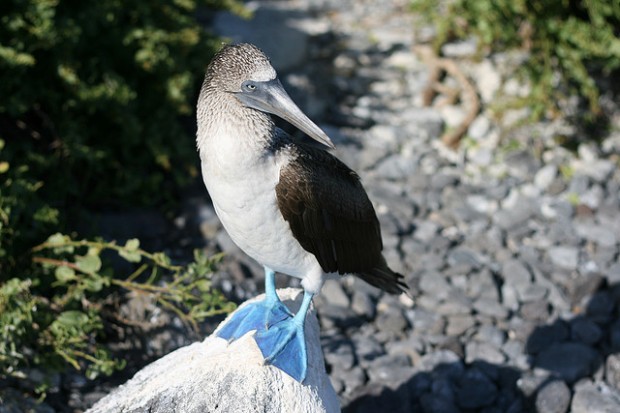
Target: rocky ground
point(510, 244)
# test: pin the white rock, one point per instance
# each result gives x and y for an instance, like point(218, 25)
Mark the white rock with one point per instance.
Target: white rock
point(216, 376)
point(545, 176)
point(488, 80)
point(479, 127)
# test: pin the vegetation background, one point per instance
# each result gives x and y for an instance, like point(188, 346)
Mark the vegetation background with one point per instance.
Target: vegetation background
point(96, 114)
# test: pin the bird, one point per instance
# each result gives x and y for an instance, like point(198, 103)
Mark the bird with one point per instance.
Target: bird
point(286, 201)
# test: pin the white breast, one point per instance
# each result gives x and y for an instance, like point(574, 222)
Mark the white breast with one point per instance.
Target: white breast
point(241, 180)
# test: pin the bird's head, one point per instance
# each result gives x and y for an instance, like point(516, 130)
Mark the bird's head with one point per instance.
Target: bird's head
point(245, 71)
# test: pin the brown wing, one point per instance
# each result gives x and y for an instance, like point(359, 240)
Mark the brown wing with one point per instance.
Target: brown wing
point(329, 212)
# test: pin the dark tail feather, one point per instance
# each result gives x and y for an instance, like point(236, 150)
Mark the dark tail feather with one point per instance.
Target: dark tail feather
point(384, 278)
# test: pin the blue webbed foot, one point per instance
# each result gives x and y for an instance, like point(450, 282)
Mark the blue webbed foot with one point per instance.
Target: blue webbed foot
point(279, 334)
point(284, 346)
point(258, 316)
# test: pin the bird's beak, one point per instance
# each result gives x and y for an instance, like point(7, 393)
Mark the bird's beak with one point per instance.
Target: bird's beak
point(271, 97)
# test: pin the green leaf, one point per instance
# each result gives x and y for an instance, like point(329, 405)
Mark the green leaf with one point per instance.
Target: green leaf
point(64, 274)
point(130, 256)
point(94, 284)
point(57, 239)
point(88, 263)
point(72, 318)
point(203, 285)
point(132, 244)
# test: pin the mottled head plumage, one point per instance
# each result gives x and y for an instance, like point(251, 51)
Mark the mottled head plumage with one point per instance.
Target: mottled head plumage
point(241, 87)
point(236, 63)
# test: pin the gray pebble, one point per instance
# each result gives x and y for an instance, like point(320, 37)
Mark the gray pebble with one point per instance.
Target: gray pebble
point(554, 397)
point(459, 324)
point(595, 233)
point(564, 257)
point(363, 305)
point(393, 369)
point(476, 350)
point(333, 293)
point(392, 321)
point(612, 370)
point(490, 307)
point(545, 176)
point(592, 398)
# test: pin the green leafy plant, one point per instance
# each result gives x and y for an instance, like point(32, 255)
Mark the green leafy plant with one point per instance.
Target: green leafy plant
point(96, 114)
point(565, 41)
point(53, 325)
point(96, 109)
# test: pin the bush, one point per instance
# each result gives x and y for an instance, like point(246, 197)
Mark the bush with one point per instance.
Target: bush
point(57, 318)
point(566, 40)
point(94, 96)
point(96, 112)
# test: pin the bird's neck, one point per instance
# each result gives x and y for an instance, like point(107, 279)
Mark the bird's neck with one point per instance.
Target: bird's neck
point(224, 121)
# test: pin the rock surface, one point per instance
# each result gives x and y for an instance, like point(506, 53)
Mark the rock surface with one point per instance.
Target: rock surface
point(214, 376)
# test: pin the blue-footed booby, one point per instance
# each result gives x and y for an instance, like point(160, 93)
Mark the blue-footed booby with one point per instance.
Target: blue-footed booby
point(287, 203)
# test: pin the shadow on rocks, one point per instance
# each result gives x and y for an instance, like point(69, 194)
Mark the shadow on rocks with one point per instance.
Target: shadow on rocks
point(573, 363)
point(447, 388)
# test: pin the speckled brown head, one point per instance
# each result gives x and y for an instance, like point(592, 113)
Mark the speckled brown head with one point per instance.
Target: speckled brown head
point(244, 71)
point(237, 63)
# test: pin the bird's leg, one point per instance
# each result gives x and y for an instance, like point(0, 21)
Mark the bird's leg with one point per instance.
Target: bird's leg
point(284, 345)
point(259, 315)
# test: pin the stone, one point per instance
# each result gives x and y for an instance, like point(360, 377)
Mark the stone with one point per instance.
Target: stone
point(490, 307)
point(592, 398)
point(612, 370)
point(535, 310)
point(515, 273)
point(479, 127)
point(459, 324)
point(488, 80)
point(351, 379)
point(437, 404)
point(339, 354)
point(569, 360)
point(564, 257)
point(392, 321)
point(586, 331)
point(460, 48)
point(465, 258)
point(426, 230)
point(475, 390)
point(554, 397)
point(333, 293)
point(598, 234)
point(363, 304)
point(392, 369)
point(490, 334)
point(482, 351)
point(442, 362)
point(545, 176)
point(544, 336)
point(366, 348)
point(217, 375)
point(435, 284)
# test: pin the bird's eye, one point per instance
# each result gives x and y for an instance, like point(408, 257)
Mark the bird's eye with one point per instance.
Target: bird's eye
point(250, 86)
